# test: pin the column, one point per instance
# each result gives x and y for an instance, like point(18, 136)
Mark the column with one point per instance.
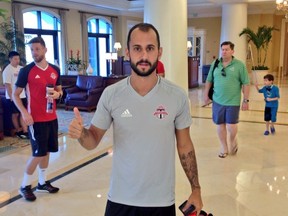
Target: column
point(170, 19)
point(234, 19)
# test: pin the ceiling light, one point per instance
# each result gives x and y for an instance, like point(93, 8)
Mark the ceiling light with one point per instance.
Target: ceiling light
point(282, 5)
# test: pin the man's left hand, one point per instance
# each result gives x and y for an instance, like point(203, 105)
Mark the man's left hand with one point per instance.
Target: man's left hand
point(245, 106)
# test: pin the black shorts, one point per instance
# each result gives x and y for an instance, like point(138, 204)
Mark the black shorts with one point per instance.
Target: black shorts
point(270, 114)
point(116, 209)
point(13, 107)
point(44, 137)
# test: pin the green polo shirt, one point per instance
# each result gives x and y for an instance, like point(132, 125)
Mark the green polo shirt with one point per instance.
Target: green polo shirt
point(227, 89)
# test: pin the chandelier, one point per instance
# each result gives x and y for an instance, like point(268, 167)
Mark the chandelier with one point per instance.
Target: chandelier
point(282, 5)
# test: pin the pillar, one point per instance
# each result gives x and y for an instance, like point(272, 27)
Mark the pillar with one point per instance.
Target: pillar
point(170, 19)
point(234, 20)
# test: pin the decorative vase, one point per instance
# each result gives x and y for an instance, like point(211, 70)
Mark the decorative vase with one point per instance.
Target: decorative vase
point(73, 72)
point(75, 69)
point(72, 67)
point(89, 70)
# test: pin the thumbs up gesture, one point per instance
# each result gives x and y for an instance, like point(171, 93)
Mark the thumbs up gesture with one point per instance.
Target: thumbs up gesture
point(76, 125)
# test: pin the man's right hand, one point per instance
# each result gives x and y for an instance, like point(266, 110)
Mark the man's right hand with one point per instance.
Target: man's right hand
point(207, 100)
point(27, 118)
point(76, 125)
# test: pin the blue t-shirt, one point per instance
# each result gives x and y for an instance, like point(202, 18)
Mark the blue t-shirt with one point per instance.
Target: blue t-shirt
point(270, 92)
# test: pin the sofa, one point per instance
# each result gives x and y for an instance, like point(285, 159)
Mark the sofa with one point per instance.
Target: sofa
point(6, 125)
point(85, 94)
point(67, 81)
point(2, 95)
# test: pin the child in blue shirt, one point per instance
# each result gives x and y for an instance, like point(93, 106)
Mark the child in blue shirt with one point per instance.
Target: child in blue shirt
point(271, 97)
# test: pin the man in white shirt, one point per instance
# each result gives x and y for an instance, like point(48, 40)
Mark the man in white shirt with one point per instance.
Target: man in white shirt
point(151, 119)
point(10, 75)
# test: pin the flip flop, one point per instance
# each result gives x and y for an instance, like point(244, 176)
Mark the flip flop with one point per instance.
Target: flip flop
point(235, 150)
point(223, 155)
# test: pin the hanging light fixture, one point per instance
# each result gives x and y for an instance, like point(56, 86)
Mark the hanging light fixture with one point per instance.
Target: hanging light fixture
point(282, 5)
point(111, 57)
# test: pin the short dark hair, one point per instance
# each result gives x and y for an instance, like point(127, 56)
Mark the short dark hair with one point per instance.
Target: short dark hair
point(144, 27)
point(37, 40)
point(269, 77)
point(12, 54)
point(228, 43)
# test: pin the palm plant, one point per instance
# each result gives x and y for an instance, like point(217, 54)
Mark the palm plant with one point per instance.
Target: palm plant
point(261, 40)
point(11, 39)
point(3, 11)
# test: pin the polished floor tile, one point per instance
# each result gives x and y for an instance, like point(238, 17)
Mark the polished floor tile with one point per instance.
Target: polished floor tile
point(252, 183)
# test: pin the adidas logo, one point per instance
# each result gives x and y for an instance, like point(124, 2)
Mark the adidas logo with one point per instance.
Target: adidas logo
point(126, 114)
point(37, 76)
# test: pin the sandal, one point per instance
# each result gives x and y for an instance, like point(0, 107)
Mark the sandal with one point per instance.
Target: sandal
point(235, 150)
point(223, 155)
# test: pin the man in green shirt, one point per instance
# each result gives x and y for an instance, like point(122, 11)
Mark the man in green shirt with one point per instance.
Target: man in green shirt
point(230, 77)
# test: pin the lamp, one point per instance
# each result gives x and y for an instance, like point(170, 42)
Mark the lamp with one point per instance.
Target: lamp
point(111, 57)
point(189, 45)
point(117, 46)
point(282, 5)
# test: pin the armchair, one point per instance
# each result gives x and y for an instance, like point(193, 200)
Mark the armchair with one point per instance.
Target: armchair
point(2, 95)
point(86, 94)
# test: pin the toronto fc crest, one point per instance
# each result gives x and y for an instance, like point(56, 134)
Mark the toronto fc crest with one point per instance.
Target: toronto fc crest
point(53, 76)
point(160, 112)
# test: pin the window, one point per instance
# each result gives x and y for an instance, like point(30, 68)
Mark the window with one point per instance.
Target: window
point(196, 46)
point(47, 26)
point(99, 43)
point(197, 38)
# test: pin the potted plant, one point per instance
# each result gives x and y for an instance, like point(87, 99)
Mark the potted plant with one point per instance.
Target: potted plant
point(261, 39)
point(11, 39)
point(3, 11)
point(75, 66)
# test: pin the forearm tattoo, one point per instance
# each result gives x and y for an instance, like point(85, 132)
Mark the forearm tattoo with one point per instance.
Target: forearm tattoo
point(189, 165)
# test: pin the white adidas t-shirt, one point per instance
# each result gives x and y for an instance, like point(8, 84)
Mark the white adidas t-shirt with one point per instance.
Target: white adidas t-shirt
point(10, 75)
point(143, 171)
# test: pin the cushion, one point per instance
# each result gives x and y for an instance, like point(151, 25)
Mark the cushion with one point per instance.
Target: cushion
point(89, 82)
point(78, 96)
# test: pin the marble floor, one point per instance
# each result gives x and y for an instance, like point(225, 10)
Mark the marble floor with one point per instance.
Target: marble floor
point(252, 183)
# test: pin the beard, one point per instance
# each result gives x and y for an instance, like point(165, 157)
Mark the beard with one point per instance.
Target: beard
point(39, 58)
point(142, 73)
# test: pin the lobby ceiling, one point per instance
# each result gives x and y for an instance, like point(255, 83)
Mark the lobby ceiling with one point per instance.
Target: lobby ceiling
point(196, 8)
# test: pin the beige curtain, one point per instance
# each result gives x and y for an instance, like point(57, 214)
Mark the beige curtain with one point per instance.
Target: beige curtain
point(64, 39)
point(84, 31)
point(18, 16)
point(114, 28)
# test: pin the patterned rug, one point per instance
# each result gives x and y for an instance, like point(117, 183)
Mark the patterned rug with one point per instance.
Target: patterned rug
point(12, 144)
point(65, 117)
